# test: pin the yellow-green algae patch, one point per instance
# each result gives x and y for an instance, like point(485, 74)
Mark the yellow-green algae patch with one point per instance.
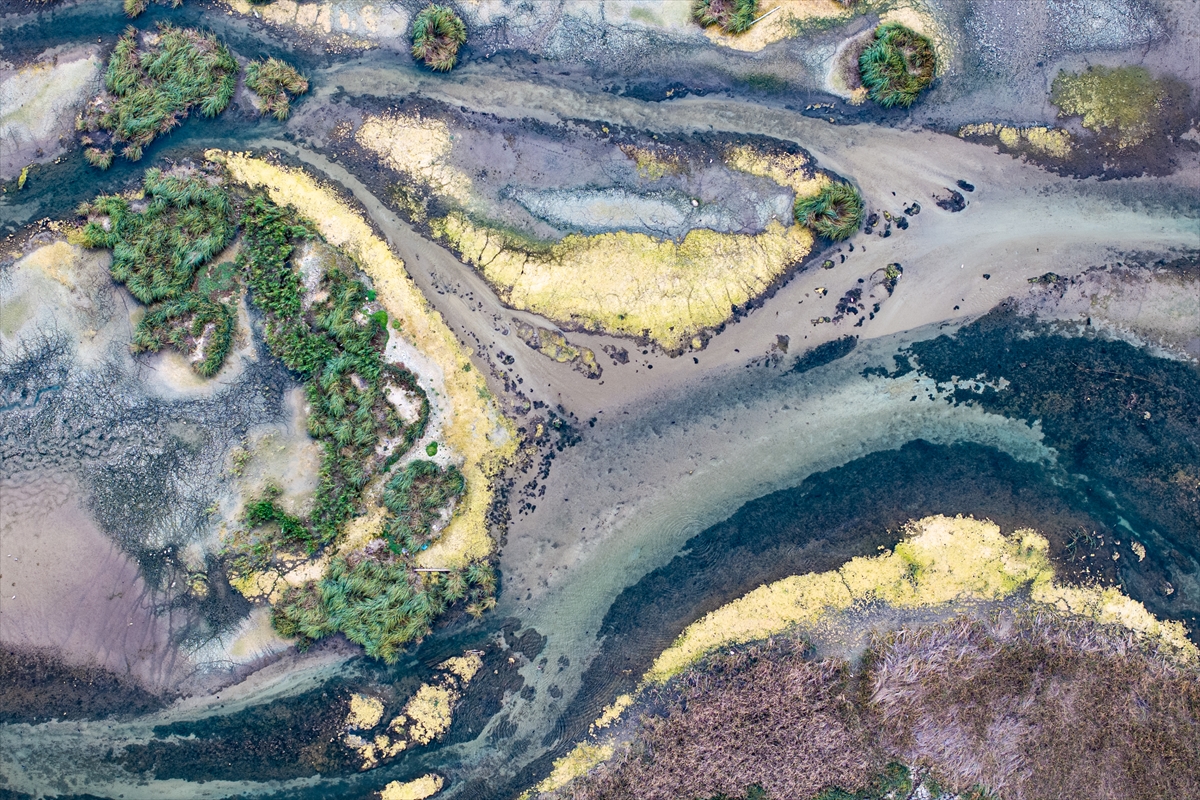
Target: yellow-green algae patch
point(1050, 142)
point(632, 283)
point(575, 764)
point(621, 282)
point(1122, 103)
point(474, 427)
point(943, 560)
point(426, 716)
point(418, 789)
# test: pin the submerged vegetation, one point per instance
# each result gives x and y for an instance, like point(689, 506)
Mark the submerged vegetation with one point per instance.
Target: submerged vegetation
point(152, 86)
point(1122, 104)
point(897, 65)
point(835, 212)
point(276, 83)
point(437, 33)
point(733, 16)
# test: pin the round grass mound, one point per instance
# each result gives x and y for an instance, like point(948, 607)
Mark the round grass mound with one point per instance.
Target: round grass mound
point(835, 212)
point(437, 33)
point(897, 65)
point(734, 16)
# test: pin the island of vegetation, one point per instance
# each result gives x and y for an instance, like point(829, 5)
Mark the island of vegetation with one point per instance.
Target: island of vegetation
point(732, 16)
point(768, 696)
point(324, 322)
point(897, 65)
point(437, 33)
point(1122, 105)
point(155, 79)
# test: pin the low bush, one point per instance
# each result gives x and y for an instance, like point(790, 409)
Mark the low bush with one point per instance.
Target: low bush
point(897, 65)
point(416, 495)
point(733, 16)
point(437, 33)
point(276, 83)
point(835, 212)
point(150, 89)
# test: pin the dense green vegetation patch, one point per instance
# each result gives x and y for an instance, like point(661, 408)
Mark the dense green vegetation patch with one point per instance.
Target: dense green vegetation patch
point(437, 33)
point(835, 212)
point(200, 329)
point(379, 601)
point(416, 496)
point(152, 85)
point(1121, 104)
point(897, 65)
point(158, 243)
point(325, 325)
point(276, 83)
point(733, 16)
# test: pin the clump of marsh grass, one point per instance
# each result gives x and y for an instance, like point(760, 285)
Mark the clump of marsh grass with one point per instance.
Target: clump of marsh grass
point(134, 8)
point(199, 328)
point(416, 496)
point(437, 33)
point(149, 90)
point(835, 212)
point(185, 221)
point(276, 83)
point(733, 16)
point(897, 65)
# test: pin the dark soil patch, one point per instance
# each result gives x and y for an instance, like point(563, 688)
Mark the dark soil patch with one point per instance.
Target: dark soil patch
point(40, 686)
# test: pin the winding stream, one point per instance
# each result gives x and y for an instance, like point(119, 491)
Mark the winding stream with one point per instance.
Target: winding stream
point(674, 452)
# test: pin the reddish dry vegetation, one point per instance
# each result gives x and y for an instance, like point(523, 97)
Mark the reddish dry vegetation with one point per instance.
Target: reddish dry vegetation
point(759, 715)
point(1027, 706)
point(1041, 708)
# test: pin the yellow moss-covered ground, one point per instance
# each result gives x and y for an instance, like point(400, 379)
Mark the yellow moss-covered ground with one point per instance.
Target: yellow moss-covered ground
point(632, 283)
point(622, 282)
point(1052, 142)
point(419, 148)
point(943, 560)
point(475, 429)
point(419, 789)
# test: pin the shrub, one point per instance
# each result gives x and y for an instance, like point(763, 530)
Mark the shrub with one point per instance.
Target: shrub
point(276, 83)
point(148, 91)
point(897, 65)
point(835, 212)
point(416, 495)
point(1121, 104)
point(733, 16)
point(437, 33)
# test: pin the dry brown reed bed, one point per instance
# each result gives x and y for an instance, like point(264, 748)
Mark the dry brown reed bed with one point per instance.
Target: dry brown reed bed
point(1025, 705)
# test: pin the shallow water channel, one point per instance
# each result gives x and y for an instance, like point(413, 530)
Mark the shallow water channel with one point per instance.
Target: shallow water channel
point(697, 482)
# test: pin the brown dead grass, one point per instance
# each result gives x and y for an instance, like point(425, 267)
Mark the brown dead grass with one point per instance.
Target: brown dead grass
point(1040, 706)
point(762, 715)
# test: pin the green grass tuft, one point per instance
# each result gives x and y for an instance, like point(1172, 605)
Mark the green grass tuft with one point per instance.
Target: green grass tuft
point(276, 83)
point(416, 495)
point(897, 65)
point(200, 329)
point(733, 16)
point(150, 89)
point(157, 250)
point(835, 212)
point(437, 33)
